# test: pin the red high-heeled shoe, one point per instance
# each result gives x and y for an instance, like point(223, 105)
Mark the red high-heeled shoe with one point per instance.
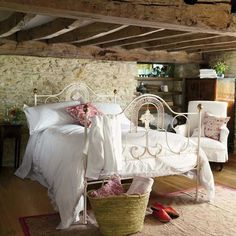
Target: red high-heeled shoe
point(161, 215)
point(168, 209)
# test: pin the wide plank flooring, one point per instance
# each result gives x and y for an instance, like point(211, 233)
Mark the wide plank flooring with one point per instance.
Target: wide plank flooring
point(25, 197)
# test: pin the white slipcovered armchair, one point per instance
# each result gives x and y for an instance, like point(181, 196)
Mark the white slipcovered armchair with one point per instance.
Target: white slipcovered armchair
point(216, 151)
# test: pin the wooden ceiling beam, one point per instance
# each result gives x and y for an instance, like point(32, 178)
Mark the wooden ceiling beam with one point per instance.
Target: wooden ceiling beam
point(126, 33)
point(14, 23)
point(204, 45)
point(87, 32)
point(202, 16)
point(52, 29)
point(162, 34)
point(218, 50)
point(210, 47)
point(171, 43)
point(190, 42)
point(162, 40)
point(214, 1)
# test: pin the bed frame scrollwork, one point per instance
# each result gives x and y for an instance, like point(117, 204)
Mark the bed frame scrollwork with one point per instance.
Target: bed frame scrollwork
point(147, 117)
point(73, 92)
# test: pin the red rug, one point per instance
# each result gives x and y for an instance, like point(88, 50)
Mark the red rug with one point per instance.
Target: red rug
point(216, 218)
point(24, 221)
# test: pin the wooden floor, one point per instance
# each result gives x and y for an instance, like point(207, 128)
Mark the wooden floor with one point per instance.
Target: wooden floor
point(25, 197)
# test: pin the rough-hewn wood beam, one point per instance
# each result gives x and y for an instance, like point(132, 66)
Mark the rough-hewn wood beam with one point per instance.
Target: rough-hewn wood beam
point(211, 47)
point(163, 34)
point(199, 45)
point(172, 2)
point(14, 23)
point(155, 2)
point(219, 50)
point(163, 40)
point(87, 32)
point(181, 45)
point(170, 43)
point(214, 1)
point(205, 17)
point(38, 48)
point(126, 33)
point(52, 29)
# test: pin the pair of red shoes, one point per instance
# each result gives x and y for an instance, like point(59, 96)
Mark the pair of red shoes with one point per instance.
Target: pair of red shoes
point(164, 213)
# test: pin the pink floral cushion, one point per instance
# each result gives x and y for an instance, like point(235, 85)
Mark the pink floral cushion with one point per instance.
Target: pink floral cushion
point(212, 125)
point(77, 112)
point(111, 188)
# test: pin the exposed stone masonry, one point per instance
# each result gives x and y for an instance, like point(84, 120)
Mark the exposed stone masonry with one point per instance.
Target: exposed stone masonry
point(20, 75)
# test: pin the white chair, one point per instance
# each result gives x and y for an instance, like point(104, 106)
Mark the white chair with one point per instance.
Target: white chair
point(216, 151)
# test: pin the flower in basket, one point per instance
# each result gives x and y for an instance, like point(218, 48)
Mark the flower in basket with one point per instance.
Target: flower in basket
point(16, 115)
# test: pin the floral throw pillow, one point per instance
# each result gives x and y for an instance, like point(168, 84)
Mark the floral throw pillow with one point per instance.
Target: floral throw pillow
point(77, 112)
point(212, 125)
point(111, 188)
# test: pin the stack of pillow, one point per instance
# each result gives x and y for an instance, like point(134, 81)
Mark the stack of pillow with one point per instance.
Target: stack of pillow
point(45, 116)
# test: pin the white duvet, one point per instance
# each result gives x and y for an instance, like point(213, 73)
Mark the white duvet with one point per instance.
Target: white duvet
point(55, 158)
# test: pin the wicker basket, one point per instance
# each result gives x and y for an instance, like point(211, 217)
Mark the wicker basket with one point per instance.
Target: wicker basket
point(119, 215)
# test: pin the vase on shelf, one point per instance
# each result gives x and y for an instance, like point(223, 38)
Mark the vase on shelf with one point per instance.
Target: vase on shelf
point(220, 76)
point(141, 88)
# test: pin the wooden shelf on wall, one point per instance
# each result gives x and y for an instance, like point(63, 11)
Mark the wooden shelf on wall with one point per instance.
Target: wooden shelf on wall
point(165, 93)
point(157, 79)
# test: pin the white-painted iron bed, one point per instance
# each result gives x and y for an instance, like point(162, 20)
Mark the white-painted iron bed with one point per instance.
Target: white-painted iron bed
point(157, 157)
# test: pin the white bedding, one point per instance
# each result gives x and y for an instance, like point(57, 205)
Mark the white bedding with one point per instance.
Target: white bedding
point(55, 158)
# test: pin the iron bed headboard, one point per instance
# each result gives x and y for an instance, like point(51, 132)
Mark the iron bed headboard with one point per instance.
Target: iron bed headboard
point(158, 103)
point(73, 92)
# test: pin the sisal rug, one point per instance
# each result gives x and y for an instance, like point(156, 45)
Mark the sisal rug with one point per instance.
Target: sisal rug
point(217, 218)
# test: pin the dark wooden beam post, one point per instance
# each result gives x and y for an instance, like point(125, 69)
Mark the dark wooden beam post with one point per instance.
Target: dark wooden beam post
point(160, 14)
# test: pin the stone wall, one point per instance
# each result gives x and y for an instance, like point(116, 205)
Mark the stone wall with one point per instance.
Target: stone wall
point(20, 75)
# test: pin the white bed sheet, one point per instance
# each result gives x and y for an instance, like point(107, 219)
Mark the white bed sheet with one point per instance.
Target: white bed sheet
point(55, 158)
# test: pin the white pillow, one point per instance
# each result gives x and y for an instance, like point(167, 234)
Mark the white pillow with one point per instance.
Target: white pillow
point(108, 108)
point(112, 108)
point(43, 116)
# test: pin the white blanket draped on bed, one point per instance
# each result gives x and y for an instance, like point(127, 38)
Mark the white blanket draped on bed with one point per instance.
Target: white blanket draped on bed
point(104, 149)
point(55, 158)
point(105, 155)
